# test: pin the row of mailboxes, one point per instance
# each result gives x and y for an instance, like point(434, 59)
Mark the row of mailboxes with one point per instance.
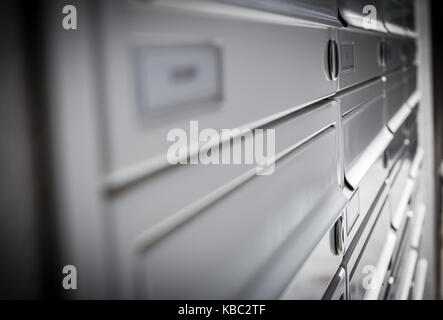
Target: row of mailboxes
point(176, 62)
point(340, 99)
point(263, 229)
point(375, 232)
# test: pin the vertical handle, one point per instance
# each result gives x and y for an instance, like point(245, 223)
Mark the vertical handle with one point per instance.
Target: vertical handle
point(333, 60)
point(339, 237)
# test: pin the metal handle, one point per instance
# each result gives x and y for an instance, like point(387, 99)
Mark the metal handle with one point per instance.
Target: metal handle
point(382, 53)
point(339, 236)
point(333, 61)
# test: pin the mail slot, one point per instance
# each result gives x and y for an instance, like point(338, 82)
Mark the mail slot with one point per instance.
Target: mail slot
point(169, 63)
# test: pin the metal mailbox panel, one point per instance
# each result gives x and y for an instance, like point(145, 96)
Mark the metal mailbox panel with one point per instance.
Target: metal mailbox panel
point(365, 136)
point(367, 266)
point(359, 57)
point(317, 272)
point(258, 80)
point(275, 230)
point(322, 11)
